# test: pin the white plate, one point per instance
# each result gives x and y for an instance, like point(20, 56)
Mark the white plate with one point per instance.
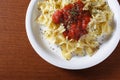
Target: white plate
point(55, 58)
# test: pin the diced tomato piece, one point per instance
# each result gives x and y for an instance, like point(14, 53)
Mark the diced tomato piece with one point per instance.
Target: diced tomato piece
point(85, 22)
point(84, 25)
point(65, 16)
point(79, 24)
point(73, 32)
point(79, 17)
point(68, 7)
point(79, 4)
point(85, 19)
point(57, 17)
point(86, 13)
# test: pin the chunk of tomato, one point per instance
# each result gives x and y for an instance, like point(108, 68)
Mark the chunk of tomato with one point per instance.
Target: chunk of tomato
point(74, 32)
point(57, 17)
point(67, 7)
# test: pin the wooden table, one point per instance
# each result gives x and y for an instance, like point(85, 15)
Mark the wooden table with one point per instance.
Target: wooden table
point(18, 60)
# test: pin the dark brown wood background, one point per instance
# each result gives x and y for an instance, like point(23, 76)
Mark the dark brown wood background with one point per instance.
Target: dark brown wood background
point(18, 60)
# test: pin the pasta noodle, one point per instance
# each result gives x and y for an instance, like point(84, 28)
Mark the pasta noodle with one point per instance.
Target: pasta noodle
point(88, 44)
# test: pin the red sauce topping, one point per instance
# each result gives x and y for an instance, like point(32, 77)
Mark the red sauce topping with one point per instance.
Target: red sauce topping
point(74, 19)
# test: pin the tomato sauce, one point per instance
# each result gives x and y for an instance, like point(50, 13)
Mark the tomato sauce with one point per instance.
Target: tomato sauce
point(74, 19)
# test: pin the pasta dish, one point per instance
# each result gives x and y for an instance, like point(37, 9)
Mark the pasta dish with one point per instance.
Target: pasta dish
point(76, 26)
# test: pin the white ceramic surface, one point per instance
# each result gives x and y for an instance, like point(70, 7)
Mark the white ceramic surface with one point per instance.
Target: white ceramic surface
point(54, 57)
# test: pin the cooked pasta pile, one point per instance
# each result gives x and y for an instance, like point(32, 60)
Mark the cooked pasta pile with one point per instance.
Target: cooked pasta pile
point(88, 44)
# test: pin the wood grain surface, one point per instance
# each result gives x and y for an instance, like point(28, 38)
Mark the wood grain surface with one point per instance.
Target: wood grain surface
point(18, 60)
